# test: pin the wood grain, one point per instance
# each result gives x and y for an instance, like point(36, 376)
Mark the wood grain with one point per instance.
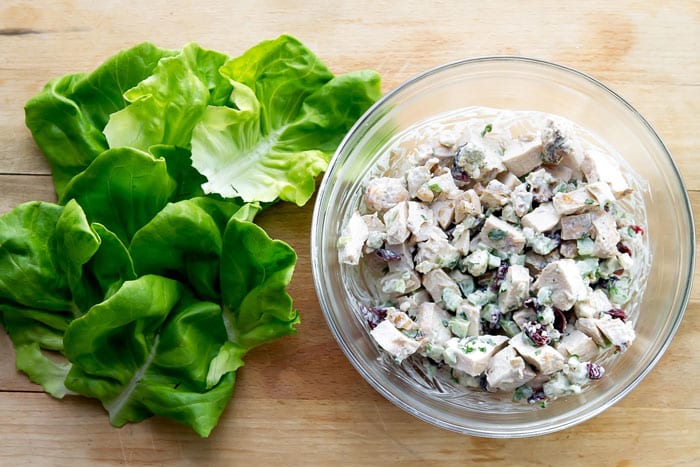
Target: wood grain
point(299, 401)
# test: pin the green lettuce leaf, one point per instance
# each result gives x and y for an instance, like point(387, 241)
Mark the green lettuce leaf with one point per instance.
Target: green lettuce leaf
point(289, 114)
point(169, 103)
point(111, 265)
point(146, 350)
point(255, 271)
point(67, 117)
point(184, 241)
point(77, 242)
point(123, 189)
point(31, 276)
point(179, 165)
point(54, 267)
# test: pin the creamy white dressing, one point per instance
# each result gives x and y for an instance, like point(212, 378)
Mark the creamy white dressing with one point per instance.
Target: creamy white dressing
point(430, 242)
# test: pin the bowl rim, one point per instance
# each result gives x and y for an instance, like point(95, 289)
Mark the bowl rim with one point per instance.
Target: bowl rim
point(522, 432)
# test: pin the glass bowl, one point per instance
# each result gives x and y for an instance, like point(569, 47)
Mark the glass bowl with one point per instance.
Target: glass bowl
point(521, 84)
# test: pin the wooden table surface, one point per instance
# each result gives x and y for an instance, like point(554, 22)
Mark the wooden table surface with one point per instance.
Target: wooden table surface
point(299, 401)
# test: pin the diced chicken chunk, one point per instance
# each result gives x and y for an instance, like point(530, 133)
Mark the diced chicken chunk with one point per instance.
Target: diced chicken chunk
point(575, 342)
point(384, 193)
point(416, 177)
point(507, 370)
point(568, 249)
point(434, 254)
point(418, 215)
point(432, 321)
point(352, 239)
point(405, 261)
point(515, 288)
point(493, 165)
point(394, 341)
point(523, 157)
point(599, 299)
point(399, 282)
point(598, 167)
point(472, 354)
point(430, 232)
point(443, 186)
point(574, 202)
point(495, 195)
point(606, 235)
point(460, 239)
point(542, 219)
point(477, 161)
point(436, 281)
point(466, 205)
point(521, 200)
point(396, 221)
point(617, 332)
point(576, 226)
point(562, 277)
point(601, 193)
point(544, 358)
point(508, 179)
point(376, 234)
point(400, 319)
point(501, 235)
point(560, 172)
point(588, 327)
point(444, 212)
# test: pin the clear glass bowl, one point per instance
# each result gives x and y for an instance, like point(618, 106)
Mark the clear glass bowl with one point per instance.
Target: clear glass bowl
point(524, 84)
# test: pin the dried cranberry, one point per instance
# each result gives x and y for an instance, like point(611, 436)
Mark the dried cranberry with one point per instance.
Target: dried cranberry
point(623, 248)
point(499, 276)
point(483, 383)
point(387, 255)
point(595, 371)
point(537, 333)
point(606, 283)
point(617, 313)
point(637, 229)
point(460, 175)
point(556, 236)
point(559, 319)
point(374, 315)
point(537, 396)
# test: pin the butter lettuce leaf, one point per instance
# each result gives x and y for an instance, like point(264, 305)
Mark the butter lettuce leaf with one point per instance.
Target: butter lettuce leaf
point(255, 271)
point(288, 116)
point(67, 117)
point(54, 267)
point(184, 241)
point(31, 276)
point(146, 351)
point(178, 162)
point(122, 189)
point(167, 105)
